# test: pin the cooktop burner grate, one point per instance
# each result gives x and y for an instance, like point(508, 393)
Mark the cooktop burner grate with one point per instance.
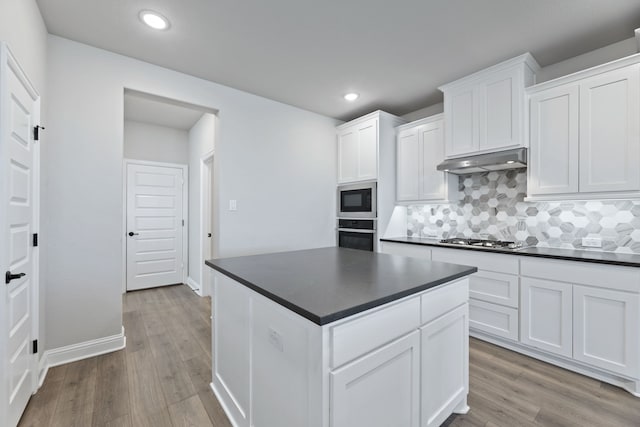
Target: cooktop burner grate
point(481, 243)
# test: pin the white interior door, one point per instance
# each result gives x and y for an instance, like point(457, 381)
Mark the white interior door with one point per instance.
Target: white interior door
point(207, 224)
point(18, 177)
point(155, 227)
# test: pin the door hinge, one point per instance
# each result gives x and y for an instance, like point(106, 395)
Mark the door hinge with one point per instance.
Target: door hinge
point(35, 346)
point(35, 240)
point(36, 132)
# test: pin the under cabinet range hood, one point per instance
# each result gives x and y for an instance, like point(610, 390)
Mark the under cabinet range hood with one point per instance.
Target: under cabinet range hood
point(509, 159)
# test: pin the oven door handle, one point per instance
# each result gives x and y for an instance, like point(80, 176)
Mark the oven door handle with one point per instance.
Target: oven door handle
point(357, 230)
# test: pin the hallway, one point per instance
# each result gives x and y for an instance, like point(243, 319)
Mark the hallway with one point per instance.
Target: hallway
point(161, 379)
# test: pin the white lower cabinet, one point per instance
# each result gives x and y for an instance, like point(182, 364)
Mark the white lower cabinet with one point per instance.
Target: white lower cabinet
point(380, 389)
point(547, 315)
point(605, 329)
point(445, 371)
point(494, 319)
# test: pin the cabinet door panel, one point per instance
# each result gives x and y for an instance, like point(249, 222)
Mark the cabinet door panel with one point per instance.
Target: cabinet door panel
point(553, 154)
point(547, 315)
point(606, 329)
point(494, 319)
point(368, 150)
point(348, 156)
point(432, 182)
point(462, 123)
point(610, 131)
point(445, 372)
point(408, 173)
point(380, 389)
point(500, 111)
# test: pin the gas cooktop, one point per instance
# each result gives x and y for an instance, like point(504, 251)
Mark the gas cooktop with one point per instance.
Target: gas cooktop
point(482, 244)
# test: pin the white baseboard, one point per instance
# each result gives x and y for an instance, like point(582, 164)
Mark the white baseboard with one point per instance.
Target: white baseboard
point(75, 352)
point(195, 287)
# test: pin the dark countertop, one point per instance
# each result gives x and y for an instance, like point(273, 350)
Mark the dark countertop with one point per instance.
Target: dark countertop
point(627, 260)
point(328, 284)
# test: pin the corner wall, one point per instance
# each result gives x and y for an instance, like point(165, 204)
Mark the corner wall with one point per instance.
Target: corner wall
point(269, 157)
point(201, 142)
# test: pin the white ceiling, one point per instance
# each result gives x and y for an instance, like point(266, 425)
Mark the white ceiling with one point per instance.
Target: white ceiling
point(309, 53)
point(154, 110)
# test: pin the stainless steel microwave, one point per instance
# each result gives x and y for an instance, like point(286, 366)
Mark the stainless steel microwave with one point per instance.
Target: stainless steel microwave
point(357, 200)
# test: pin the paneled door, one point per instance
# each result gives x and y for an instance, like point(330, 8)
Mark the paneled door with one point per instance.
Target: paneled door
point(19, 111)
point(155, 228)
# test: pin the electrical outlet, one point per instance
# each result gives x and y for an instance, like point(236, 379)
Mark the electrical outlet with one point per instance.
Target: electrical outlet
point(430, 233)
point(233, 205)
point(275, 339)
point(592, 242)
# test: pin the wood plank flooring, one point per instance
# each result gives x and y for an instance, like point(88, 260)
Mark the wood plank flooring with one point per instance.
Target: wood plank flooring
point(162, 379)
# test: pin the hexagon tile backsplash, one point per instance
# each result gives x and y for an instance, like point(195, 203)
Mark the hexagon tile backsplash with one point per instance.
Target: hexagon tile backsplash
point(492, 206)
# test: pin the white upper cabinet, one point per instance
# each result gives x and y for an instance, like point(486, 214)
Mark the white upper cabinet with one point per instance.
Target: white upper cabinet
point(365, 148)
point(610, 131)
point(358, 152)
point(485, 111)
point(585, 134)
point(420, 148)
point(409, 161)
point(554, 141)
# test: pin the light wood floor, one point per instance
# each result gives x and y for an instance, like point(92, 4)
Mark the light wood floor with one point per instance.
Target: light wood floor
point(162, 379)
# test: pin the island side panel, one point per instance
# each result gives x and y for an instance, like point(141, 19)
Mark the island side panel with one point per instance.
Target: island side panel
point(284, 360)
point(231, 329)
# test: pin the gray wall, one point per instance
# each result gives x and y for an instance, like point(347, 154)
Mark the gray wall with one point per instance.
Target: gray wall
point(268, 155)
point(144, 141)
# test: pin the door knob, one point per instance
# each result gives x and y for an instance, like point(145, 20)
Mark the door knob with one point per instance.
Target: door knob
point(8, 277)
point(131, 234)
point(208, 234)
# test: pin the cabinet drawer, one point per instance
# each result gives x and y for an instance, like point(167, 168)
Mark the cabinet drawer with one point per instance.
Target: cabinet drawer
point(493, 319)
point(604, 276)
point(493, 287)
point(441, 300)
point(359, 336)
point(406, 249)
point(484, 261)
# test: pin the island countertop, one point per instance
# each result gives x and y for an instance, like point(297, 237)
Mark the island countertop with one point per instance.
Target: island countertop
point(327, 284)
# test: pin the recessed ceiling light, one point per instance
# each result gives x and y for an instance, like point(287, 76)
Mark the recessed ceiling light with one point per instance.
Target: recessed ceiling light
point(154, 20)
point(351, 96)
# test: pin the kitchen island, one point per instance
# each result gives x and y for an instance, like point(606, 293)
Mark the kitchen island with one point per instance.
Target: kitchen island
point(339, 337)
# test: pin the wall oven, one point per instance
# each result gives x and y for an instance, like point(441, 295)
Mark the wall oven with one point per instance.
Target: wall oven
point(357, 200)
point(357, 234)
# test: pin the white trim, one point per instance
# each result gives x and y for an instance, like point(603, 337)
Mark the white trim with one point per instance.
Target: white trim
point(588, 72)
point(84, 350)
point(204, 177)
point(195, 287)
point(185, 213)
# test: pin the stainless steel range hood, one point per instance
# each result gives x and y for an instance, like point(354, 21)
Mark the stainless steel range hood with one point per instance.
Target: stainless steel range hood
point(509, 159)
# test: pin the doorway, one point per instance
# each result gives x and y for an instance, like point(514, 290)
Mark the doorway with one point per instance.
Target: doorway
point(162, 137)
point(156, 211)
point(207, 223)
